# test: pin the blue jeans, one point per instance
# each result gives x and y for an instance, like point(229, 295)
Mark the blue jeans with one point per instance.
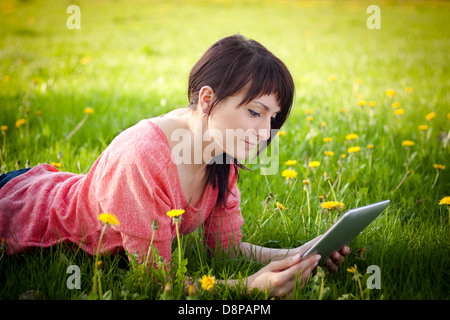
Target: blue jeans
point(6, 177)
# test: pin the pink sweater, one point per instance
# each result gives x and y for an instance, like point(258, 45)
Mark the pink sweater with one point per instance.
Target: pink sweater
point(136, 180)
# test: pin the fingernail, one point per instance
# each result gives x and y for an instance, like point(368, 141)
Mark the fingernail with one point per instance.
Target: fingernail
point(318, 257)
point(296, 257)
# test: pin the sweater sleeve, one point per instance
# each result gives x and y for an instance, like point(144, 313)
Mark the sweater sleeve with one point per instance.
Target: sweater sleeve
point(133, 184)
point(223, 226)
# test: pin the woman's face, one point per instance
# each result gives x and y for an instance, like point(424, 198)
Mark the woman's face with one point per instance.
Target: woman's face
point(237, 131)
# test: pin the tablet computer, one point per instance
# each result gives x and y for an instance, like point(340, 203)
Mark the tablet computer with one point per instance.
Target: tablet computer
point(347, 228)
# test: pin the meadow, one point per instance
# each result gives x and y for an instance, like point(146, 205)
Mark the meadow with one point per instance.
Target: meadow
point(371, 121)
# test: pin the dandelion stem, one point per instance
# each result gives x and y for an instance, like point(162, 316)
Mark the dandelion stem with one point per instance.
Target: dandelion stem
point(179, 245)
point(77, 127)
point(405, 176)
point(94, 279)
point(149, 249)
point(435, 180)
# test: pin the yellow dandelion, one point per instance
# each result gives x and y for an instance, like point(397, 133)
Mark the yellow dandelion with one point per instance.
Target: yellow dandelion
point(332, 78)
point(306, 182)
point(175, 213)
point(289, 174)
point(329, 153)
point(108, 218)
point(370, 146)
point(20, 122)
point(430, 116)
point(88, 110)
point(332, 205)
point(4, 128)
point(207, 282)
point(309, 119)
point(439, 166)
point(324, 124)
point(343, 156)
point(291, 162)
point(343, 111)
point(362, 103)
point(448, 116)
point(352, 269)
point(408, 143)
point(279, 205)
point(353, 149)
point(423, 127)
point(390, 92)
point(445, 201)
point(56, 164)
point(396, 105)
point(408, 89)
point(309, 111)
point(351, 136)
point(372, 104)
point(314, 164)
point(281, 133)
point(327, 139)
point(85, 60)
point(399, 112)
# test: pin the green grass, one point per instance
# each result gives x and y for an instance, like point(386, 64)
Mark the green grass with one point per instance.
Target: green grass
point(140, 57)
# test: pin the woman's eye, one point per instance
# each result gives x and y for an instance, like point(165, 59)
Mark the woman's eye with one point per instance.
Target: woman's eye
point(253, 113)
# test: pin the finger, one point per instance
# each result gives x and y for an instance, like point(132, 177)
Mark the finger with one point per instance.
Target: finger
point(345, 250)
point(337, 258)
point(284, 263)
point(304, 268)
point(331, 265)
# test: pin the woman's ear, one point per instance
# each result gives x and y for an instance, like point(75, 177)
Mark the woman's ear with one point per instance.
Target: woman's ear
point(205, 97)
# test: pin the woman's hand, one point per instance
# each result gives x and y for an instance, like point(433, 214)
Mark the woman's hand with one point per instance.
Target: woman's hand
point(336, 258)
point(278, 277)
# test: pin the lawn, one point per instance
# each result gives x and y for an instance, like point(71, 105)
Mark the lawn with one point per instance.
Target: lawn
point(130, 60)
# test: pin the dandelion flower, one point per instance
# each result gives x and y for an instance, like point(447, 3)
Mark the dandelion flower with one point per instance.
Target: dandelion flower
point(175, 213)
point(351, 136)
point(370, 146)
point(396, 105)
point(408, 89)
point(207, 282)
point(314, 164)
point(4, 128)
point(408, 143)
point(279, 205)
point(108, 218)
point(343, 111)
point(332, 205)
point(439, 166)
point(390, 92)
point(309, 111)
point(399, 112)
point(353, 149)
point(445, 201)
point(88, 110)
point(291, 162)
point(362, 103)
point(352, 269)
point(306, 182)
point(430, 116)
point(329, 153)
point(324, 124)
point(20, 122)
point(56, 164)
point(327, 139)
point(85, 60)
point(289, 174)
point(309, 119)
point(343, 156)
point(281, 133)
point(372, 104)
point(423, 127)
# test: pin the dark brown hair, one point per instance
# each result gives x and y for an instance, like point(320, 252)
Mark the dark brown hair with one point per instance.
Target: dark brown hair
point(228, 66)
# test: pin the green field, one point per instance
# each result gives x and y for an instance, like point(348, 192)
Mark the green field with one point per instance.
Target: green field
point(130, 60)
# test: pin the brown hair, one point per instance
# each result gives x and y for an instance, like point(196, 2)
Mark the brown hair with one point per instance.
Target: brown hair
point(228, 66)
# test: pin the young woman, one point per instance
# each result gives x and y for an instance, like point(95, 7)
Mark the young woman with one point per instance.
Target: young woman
point(240, 95)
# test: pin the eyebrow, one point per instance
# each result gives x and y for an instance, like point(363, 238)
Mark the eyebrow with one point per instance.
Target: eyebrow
point(265, 107)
